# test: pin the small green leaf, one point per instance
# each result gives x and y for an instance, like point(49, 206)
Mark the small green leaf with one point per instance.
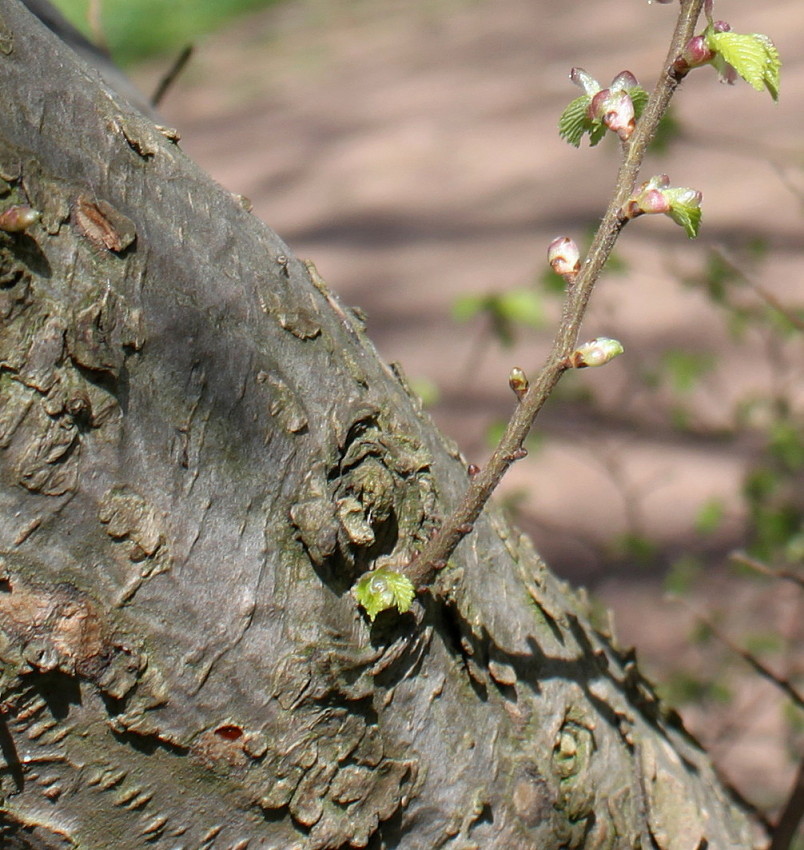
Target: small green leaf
point(683, 575)
point(710, 517)
point(754, 57)
point(426, 389)
point(574, 121)
point(786, 444)
point(596, 132)
point(685, 369)
point(688, 217)
point(523, 306)
point(773, 65)
point(382, 589)
point(468, 306)
point(639, 97)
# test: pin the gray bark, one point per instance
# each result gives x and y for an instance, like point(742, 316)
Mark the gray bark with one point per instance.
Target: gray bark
point(200, 452)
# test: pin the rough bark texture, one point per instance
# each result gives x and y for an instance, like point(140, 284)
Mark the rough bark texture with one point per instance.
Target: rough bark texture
point(199, 453)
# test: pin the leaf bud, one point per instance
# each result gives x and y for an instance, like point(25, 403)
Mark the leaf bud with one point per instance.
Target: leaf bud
point(696, 52)
point(382, 589)
point(615, 109)
point(598, 352)
point(518, 381)
point(585, 80)
point(655, 196)
point(18, 218)
point(564, 256)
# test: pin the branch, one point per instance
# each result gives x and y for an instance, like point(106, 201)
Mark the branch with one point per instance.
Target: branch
point(436, 553)
point(766, 673)
point(764, 569)
point(768, 297)
point(792, 814)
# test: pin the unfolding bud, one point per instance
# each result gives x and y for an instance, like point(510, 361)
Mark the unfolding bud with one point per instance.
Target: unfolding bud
point(649, 199)
point(518, 382)
point(615, 108)
point(656, 196)
point(585, 80)
point(683, 197)
point(624, 81)
point(382, 589)
point(18, 218)
point(564, 256)
point(752, 56)
point(598, 352)
point(696, 52)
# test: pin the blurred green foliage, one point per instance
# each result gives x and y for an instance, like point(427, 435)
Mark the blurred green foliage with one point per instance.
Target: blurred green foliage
point(504, 311)
point(136, 29)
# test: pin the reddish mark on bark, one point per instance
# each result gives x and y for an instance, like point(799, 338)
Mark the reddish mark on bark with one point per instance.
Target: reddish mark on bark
point(103, 225)
point(229, 733)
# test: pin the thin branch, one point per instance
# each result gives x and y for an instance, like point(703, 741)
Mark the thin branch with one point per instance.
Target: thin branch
point(779, 681)
point(792, 814)
point(764, 569)
point(455, 527)
point(766, 295)
point(95, 21)
point(172, 74)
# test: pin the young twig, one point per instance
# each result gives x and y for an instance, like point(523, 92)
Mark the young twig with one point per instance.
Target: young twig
point(780, 682)
point(95, 21)
point(171, 75)
point(768, 297)
point(764, 569)
point(457, 525)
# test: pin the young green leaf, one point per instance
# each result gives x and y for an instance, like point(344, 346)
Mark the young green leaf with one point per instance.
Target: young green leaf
point(574, 121)
point(382, 589)
point(753, 56)
point(710, 516)
point(688, 217)
point(640, 99)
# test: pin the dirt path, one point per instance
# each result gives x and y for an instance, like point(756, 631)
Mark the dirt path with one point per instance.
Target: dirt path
point(410, 150)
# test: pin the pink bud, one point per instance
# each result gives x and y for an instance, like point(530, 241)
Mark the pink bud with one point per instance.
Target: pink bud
point(619, 116)
point(585, 80)
point(615, 109)
point(721, 26)
point(659, 181)
point(564, 256)
point(624, 80)
point(650, 199)
point(653, 201)
point(697, 52)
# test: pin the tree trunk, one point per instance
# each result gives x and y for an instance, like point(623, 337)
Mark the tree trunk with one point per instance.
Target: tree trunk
point(200, 453)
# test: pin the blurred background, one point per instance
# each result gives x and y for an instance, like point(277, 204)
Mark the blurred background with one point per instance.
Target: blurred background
point(411, 150)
